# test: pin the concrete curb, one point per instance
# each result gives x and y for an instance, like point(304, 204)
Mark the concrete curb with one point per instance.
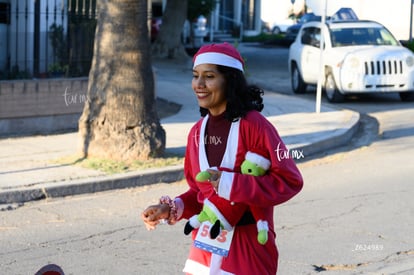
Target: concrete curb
point(92, 185)
point(339, 138)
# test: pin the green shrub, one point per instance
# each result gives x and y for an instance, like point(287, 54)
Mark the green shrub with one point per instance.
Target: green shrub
point(410, 45)
point(263, 37)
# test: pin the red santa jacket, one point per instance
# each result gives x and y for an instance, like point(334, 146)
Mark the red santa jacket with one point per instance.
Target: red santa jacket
point(282, 181)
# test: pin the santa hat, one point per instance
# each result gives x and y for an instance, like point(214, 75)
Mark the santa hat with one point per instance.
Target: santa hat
point(219, 54)
point(258, 159)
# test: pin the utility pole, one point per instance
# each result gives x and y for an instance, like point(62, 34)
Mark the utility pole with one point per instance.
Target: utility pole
point(411, 21)
point(321, 66)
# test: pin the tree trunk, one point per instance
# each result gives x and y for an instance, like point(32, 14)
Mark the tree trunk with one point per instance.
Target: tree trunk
point(120, 120)
point(168, 43)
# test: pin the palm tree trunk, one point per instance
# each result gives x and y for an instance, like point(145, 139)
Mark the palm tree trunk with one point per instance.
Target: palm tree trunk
point(168, 43)
point(120, 120)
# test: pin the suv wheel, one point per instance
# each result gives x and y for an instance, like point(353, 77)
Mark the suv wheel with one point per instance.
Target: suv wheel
point(331, 91)
point(298, 85)
point(407, 96)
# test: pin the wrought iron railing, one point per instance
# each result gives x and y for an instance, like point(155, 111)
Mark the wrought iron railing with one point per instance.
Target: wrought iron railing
point(45, 38)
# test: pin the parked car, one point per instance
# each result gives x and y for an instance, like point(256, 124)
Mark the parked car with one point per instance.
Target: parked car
point(345, 14)
point(358, 57)
point(341, 14)
point(292, 31)
point(278, 27)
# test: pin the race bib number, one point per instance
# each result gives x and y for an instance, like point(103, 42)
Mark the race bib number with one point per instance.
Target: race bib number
point(219, 245)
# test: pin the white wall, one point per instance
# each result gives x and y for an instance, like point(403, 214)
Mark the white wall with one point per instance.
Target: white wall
point(279, 10)
point(21, 32)
point(3, 44)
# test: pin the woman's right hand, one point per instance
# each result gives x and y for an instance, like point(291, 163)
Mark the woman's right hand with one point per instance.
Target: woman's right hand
point(153, 214)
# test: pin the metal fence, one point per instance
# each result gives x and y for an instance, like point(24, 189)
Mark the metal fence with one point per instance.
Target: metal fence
point(45, 38)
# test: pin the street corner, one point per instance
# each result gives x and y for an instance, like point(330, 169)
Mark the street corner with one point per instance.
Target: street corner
point(311, 133)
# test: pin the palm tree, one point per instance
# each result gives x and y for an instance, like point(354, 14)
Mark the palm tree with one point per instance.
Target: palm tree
point(120, 120)
point(168, 42)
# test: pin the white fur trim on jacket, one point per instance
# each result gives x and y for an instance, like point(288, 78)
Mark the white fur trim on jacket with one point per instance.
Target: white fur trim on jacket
point(261, 224)
point(258, 159)
point(193, 267)
point(225, 185)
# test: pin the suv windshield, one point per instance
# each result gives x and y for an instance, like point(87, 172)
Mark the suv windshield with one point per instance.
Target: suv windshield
point(361, 36)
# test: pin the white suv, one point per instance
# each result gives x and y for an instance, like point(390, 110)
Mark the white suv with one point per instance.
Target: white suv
point(358, 57)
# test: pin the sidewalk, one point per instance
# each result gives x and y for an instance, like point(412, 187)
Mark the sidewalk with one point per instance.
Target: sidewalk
point(27, 171)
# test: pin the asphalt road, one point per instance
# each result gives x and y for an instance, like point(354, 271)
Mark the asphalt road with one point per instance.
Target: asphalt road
point(354, 216)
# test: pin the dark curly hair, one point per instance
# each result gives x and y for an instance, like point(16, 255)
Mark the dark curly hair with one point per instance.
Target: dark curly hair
point(241, 97)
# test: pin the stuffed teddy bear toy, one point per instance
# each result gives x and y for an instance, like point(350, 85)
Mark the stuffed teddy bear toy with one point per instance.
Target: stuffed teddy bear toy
point(223, 214)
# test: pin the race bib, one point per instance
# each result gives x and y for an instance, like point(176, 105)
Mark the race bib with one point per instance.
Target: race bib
point(219, 245)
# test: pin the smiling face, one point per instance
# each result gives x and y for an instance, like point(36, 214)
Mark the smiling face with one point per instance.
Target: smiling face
point(209, 84)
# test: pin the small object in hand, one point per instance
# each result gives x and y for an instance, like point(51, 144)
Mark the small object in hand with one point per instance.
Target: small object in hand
point(203, 176)
point(214, 177)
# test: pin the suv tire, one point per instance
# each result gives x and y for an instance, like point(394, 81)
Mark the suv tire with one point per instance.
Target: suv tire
point(298, 85)
point(407, 96)
point(331, 90)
